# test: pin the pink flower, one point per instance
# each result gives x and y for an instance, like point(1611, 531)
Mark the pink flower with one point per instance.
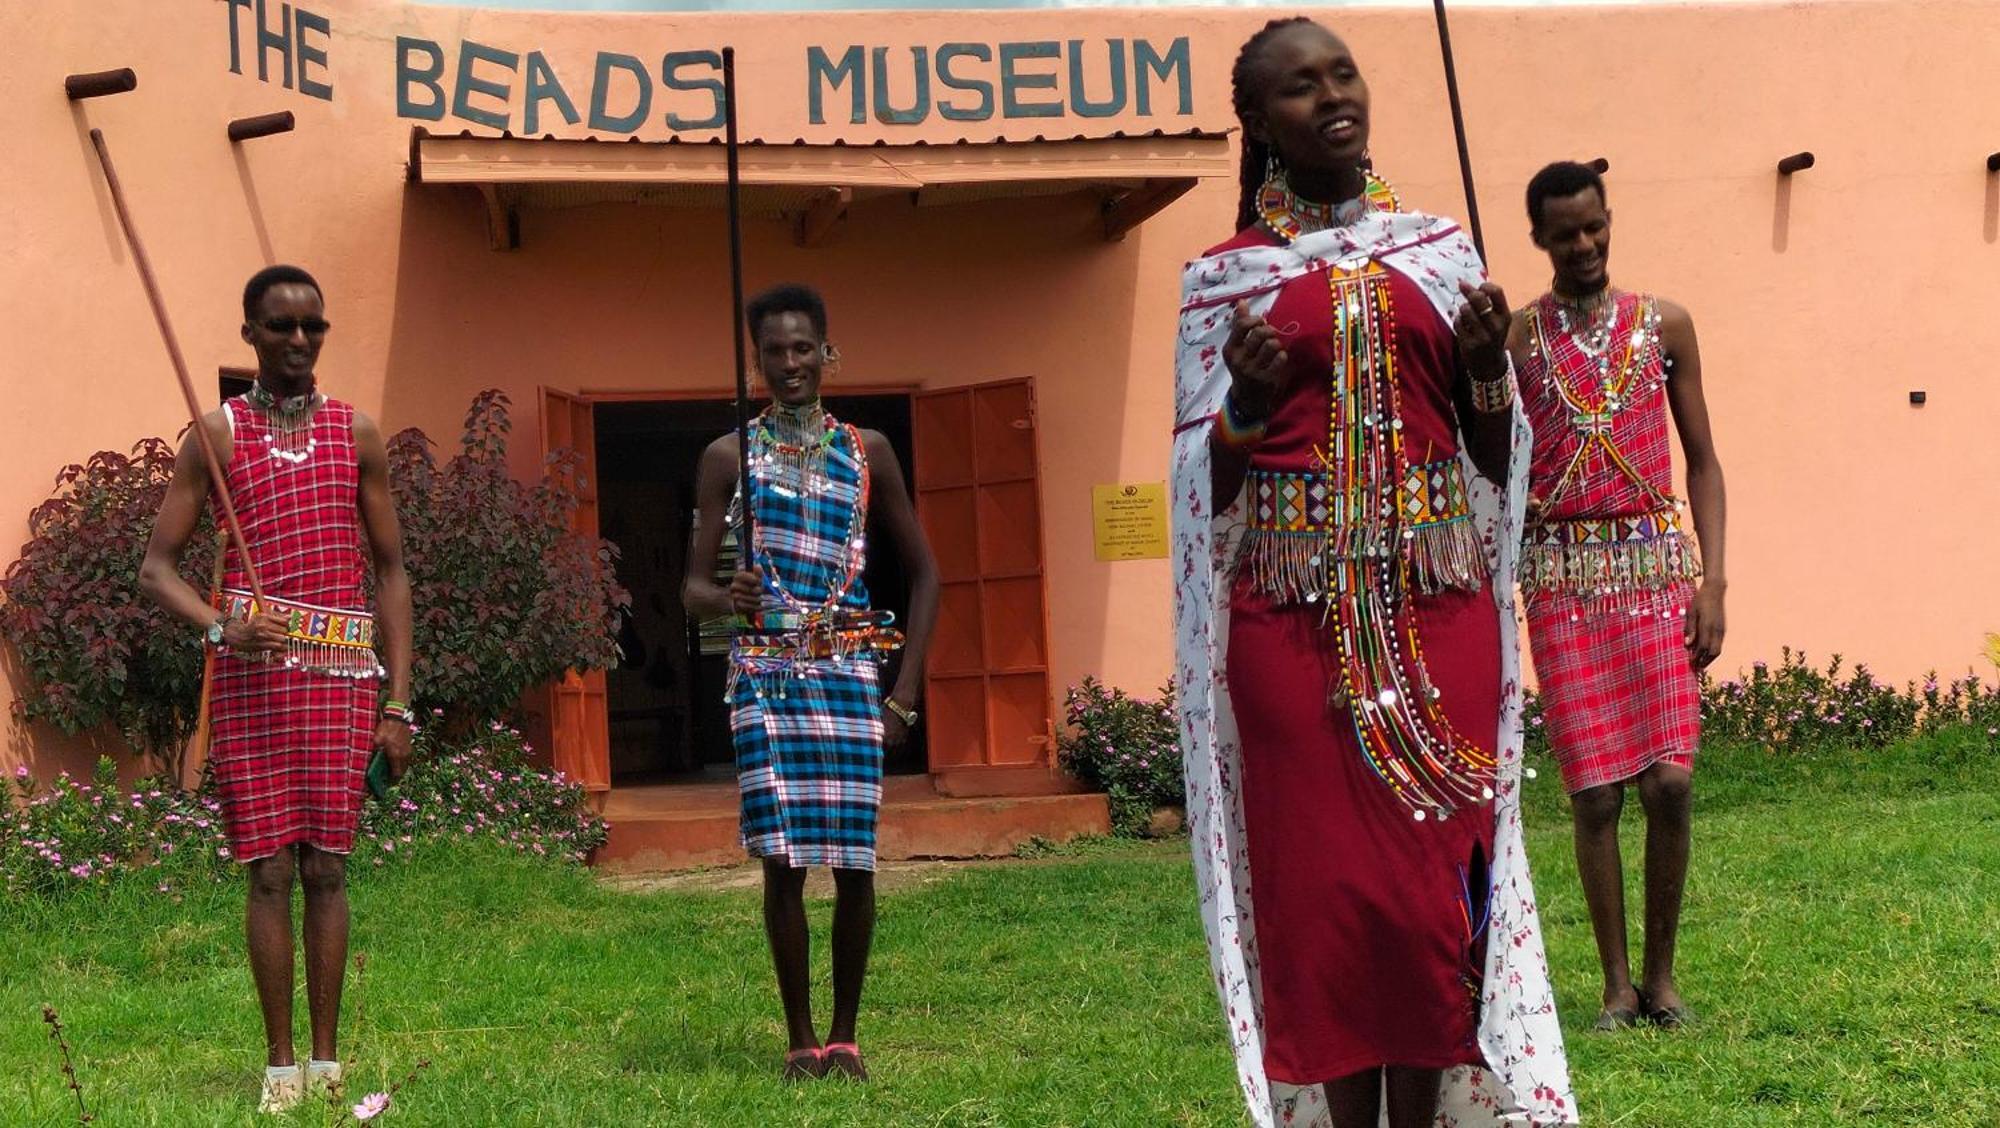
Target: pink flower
point(371, 1106)
point(20, 771)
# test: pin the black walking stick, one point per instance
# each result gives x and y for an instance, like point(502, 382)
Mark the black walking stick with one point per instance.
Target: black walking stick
point(1458, 128)
point(746, 537)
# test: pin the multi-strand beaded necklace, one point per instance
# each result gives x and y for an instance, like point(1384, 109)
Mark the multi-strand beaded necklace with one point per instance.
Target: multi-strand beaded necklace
point(1383, 681)
point(288, 422)
point(788, 454)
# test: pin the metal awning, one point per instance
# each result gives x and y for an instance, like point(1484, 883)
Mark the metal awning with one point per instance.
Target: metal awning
point(812, 186)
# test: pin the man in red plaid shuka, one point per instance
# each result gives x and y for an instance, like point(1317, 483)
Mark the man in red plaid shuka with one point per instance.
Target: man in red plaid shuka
point(1622, 611)
point(295, 683)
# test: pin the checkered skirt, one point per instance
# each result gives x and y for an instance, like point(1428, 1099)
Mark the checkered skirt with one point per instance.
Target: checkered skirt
point(291, 746)
point(809, 763)
point(1619, 693)
point(808, 731)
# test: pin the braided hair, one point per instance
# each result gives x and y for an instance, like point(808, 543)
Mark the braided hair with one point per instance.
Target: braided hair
point(1256, 154)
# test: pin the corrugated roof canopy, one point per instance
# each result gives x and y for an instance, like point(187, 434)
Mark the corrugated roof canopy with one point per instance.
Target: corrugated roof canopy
point(813, 185)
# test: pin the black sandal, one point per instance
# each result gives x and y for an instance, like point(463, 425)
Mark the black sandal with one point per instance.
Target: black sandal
point(1609, 1020)
point(843, 1059)
point(804, 1065)
point(1670, 1018)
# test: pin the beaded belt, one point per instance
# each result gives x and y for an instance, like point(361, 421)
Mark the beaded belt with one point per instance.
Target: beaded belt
point(1283, 502)
point(792, 635)
point(1300, 525)
point(1634, 529)
point(326, 639)
point(1597, 556)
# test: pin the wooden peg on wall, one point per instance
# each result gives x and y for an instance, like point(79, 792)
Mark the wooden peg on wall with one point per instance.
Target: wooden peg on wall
point(262, 125)
point(99, 83)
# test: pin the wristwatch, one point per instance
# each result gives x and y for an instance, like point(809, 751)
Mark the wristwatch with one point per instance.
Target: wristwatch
point(907, 716)
point(214, 633)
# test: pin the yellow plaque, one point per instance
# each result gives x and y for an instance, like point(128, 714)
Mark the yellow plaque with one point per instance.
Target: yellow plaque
point(1130, 520)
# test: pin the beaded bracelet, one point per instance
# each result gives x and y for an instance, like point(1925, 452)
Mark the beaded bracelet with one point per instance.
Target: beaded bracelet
point(399, 711)
point(1235, 433)
point(1491, 397)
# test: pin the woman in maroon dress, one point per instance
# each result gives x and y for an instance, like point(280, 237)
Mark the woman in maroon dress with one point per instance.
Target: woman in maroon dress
point(1363, 655)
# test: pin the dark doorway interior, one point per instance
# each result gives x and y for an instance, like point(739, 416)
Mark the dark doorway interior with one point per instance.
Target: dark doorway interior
point(668, 720)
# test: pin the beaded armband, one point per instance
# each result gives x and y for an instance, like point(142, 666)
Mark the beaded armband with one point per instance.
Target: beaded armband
point(1491, 397)
point(1233, 431)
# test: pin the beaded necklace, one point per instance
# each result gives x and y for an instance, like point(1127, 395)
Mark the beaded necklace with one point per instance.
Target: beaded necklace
point(1592, 409)
point(288, 432)
point(1289, 216)
point(788, 452)
point(1383, 681)
point(1406, 738)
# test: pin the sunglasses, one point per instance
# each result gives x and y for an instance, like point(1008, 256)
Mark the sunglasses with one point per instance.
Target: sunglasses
point(286, 326)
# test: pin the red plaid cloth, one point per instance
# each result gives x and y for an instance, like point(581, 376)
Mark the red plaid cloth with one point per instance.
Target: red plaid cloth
point(1618, 690)
point(291, 746)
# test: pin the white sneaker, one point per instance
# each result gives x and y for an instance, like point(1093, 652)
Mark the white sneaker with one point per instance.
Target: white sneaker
point(322, 1077)
point(282, 1092)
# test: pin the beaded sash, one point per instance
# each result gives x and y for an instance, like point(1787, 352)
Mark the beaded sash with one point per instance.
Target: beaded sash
point(325, 640)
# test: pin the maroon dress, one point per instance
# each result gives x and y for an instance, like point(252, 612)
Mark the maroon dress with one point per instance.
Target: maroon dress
point(1370, 921)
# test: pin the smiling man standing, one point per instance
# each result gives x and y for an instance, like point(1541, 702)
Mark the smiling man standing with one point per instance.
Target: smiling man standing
point(295, 681)
point(1622, 611)
point(807, 713)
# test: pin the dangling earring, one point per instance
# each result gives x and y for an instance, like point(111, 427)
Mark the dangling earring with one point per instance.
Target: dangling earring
point(1274, 172)
point(829, 356)
point(1274, 199)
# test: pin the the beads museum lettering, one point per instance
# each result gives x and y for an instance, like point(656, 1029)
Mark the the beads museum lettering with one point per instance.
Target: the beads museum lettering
point(503, 87)
point(1036, 79)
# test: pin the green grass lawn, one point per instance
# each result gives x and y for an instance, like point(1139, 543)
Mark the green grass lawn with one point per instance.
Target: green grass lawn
point(1839, 947)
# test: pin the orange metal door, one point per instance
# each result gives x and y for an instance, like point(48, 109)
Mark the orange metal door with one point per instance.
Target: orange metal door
point(576, 707)
point(988, 704)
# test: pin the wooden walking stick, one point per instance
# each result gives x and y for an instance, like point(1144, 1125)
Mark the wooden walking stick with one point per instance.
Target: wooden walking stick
point(216, 480)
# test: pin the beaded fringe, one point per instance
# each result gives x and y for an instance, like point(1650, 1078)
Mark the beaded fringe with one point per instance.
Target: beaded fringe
point(1593, 570)
point(1293, 567)
point(335, 661)
point(1448, 556)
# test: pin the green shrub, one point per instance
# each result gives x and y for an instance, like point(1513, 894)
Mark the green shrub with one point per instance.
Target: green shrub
point(1126, 746)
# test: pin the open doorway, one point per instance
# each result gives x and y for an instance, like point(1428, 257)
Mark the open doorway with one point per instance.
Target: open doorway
point(668, 719)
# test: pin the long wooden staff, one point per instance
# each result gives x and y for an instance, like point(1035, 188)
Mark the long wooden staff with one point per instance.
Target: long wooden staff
point(1458, 128)
point(216, 480)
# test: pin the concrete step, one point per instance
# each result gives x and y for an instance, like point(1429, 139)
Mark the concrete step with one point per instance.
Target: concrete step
point(686, 826)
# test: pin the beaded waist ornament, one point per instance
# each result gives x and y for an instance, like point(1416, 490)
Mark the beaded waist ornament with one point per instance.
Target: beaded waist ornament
point(324, 640)
point(1608, 556)
point(1348, 538)
point(779, 638)
point(1298, 523)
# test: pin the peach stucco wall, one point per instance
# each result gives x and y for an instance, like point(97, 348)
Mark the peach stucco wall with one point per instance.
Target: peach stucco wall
point(1858, 521)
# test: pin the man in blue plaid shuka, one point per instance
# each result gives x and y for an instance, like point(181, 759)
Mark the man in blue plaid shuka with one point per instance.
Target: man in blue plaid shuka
point(806, 709)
